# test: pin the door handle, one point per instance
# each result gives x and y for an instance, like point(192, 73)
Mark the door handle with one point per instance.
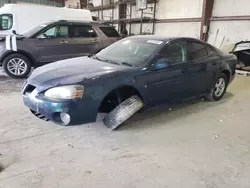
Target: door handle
point(95, 41)
point(63, 42)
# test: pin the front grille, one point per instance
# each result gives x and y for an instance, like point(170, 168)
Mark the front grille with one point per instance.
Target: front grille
point(28, 89)
point(37, 114)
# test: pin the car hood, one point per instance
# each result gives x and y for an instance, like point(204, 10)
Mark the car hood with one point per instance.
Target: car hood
point(71, 71)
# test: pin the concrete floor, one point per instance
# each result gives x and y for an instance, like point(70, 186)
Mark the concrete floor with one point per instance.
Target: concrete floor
point(201, 145)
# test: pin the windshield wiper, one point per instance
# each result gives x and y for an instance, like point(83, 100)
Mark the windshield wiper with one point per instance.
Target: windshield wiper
point(95, 57)
point(112, 62)
point(127, 64)
point(105, 60)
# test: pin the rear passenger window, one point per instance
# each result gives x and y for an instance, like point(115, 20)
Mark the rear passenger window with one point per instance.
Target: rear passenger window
point(109, 31)
point(196, 50)
point(83, 31)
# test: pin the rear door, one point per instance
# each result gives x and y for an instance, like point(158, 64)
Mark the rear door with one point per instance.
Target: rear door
point(203, 66)
point(51, 44)
point(83, 40)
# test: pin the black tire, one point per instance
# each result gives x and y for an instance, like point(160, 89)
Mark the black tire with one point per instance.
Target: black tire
point(211, 96)
point(123, 112)
point(16, 56)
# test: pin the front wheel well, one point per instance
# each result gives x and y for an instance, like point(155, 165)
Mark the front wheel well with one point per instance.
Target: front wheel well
point(22, 53)
point(116, 96)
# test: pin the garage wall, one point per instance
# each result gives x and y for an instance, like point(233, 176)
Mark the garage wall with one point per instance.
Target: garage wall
point(166, 9)
point(231, 7)
point(227, 33)
point(71, 3)
point(182, 29)
point(179, 9)
point(2, 2)
point(192, 29)
point(172, 9)
point(107, 14)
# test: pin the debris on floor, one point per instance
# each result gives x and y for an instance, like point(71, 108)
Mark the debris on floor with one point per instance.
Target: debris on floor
point(216, 136)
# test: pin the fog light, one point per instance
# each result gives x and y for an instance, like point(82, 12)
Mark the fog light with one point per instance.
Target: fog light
point(65, 118)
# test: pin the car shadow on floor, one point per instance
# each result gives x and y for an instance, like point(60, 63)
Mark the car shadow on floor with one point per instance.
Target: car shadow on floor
point(164, 114)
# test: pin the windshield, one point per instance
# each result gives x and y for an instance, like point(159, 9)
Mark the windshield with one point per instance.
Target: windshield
point(6, 21)
point(131, 52)
point(35, 29)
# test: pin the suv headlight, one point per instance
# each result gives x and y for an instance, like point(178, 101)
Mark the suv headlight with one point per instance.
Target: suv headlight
point(65, 92)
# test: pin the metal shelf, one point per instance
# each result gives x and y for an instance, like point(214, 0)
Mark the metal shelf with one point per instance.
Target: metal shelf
point(113, 5)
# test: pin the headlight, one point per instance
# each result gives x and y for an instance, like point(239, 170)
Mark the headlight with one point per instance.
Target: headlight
point(65, 92)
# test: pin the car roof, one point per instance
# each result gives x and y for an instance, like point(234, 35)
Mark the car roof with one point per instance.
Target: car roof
point(163, 38)
point(81, 22)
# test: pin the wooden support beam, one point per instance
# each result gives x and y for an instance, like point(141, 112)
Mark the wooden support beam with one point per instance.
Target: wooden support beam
point(207, 10)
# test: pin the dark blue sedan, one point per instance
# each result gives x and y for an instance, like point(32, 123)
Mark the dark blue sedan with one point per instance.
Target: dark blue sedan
point(131, 74)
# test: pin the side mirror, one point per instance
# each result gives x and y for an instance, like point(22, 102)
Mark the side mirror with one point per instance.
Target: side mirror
point(42, 36)
point(162, 63)
point(14, 32)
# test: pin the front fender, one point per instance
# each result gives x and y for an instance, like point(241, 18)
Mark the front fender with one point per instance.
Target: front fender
point(100, 91)
point(6, 53)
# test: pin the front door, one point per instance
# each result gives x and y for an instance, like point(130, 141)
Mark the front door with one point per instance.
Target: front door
point(84, 40)
point(171, 83)
point(52, 44)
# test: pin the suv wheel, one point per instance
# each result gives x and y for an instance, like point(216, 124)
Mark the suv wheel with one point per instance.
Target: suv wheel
point(17, 66)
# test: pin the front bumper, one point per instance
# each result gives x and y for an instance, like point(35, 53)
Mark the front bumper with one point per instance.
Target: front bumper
point(80, 111)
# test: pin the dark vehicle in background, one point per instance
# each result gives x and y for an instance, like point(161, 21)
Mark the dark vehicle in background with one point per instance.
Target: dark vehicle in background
point(127, 75)
point(53, 41)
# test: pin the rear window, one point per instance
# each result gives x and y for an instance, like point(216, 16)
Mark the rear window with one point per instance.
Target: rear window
point(6, 21)
point(85, 31)
point(196, 50)
point(109, 31)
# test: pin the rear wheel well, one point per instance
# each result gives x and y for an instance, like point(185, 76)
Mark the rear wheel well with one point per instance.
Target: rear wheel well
point(115, 97)
point(227, 73)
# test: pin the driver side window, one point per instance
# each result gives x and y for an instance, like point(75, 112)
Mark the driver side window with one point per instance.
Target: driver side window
point(55, 32)
point(175, 52)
